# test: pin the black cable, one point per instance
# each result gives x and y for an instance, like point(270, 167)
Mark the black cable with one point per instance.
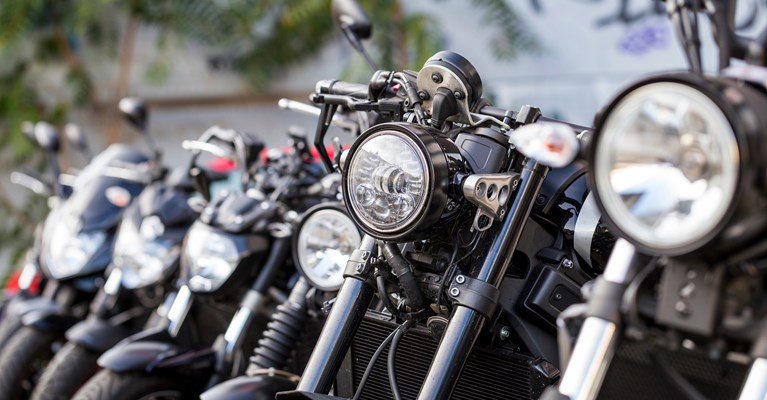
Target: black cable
point(372, 362)
point(401, 331)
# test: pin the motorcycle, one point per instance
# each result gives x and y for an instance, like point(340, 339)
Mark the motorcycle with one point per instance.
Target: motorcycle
point(470, 248)
point(677, 166)
point(324, 238)
point(76, 247)
point(144, 268)
point(234, 253)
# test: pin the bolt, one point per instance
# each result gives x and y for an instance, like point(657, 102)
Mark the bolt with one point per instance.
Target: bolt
point(567, 263)
point(504, 333)
point(365, 255)
point(358, 268)
point(455, 292)
point(436, 78)
point(687, 290)
point(540, 200)
point(682, 308)
point(423, 95)
point(558, 296)
point(691, 274)
point(460, 279)
point(459, 95)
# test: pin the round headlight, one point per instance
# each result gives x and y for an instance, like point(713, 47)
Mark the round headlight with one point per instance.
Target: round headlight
point(325, 240)
point(666, 165)
point(209, 258)
point(395, 179)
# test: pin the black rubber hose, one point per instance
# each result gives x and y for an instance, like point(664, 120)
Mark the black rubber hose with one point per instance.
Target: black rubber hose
point(277, 256)
point(404, 272)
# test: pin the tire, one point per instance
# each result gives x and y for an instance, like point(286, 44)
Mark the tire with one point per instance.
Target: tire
point(9, 325)
point(70, 368)
point(25, 355)
point(109, 385)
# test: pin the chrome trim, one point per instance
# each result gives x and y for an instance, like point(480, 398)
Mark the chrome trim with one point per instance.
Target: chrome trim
point(112, 285)
point(620, 262)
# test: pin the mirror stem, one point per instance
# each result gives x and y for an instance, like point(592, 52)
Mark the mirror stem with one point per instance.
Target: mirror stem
point(355, 42)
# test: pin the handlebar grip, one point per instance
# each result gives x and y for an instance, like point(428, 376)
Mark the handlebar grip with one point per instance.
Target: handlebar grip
point(334, 86)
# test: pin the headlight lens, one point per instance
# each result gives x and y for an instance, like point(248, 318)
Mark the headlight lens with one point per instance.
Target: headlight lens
point(326, 239)
point(69, 251)
point(210, 258)
point(140, 254)
point(666, 166)
point(388, 176)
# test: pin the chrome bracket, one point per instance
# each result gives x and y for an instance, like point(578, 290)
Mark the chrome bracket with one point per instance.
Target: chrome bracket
point(490, 193)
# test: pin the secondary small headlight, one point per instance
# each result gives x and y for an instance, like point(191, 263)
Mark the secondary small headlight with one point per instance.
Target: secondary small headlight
point(140, 254)
point(65, 250)
point(395, 179)
point(210, 258)
point(666, 166)
point(325, 240)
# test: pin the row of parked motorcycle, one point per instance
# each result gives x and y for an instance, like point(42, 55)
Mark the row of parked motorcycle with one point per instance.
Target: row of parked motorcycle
point(455, 249)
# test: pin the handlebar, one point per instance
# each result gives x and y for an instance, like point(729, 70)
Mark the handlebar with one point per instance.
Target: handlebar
point(501, 113)
point(341, 88)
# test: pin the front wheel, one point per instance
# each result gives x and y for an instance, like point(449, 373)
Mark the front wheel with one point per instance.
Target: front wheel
point(68, 370)
point(23, 358)
point(108, 385)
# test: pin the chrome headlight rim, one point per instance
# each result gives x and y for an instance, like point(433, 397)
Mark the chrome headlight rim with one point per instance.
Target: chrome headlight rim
point(432, 152)
point(713, 90)
point(336, 207)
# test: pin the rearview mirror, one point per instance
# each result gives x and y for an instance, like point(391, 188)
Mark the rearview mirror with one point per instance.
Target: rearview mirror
point(349, 15)
point(76, 137)
point(47, 137)
point(134, 111)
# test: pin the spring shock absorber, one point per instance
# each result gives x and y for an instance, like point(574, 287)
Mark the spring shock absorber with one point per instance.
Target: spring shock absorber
point(282, 332)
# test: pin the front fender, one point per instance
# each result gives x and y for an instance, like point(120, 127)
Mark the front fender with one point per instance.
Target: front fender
point(148, 356)
point(44, 314)
point(97, 334)
point(261, 387)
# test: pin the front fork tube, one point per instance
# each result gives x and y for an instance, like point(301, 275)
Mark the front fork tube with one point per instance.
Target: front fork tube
point(599, 335)
point(466, 323)
point(106, 298)
point(252, 302)
point(755, 387)
point(343, 320)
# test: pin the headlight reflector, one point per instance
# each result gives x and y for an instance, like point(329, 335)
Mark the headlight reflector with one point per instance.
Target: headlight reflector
point(326, 239)
point(666, 166)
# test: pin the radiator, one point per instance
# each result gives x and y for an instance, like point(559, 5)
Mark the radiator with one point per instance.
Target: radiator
point(496, 374)
point(634, 375)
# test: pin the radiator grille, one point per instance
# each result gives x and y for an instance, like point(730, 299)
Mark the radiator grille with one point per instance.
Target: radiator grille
point(488, 375)
point(633, 375)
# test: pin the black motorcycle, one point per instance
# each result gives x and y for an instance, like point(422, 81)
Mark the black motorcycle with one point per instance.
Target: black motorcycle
point(232, 256)
point(678, 171)
point(470, 250)
point(75, 249)
point(324, 238)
